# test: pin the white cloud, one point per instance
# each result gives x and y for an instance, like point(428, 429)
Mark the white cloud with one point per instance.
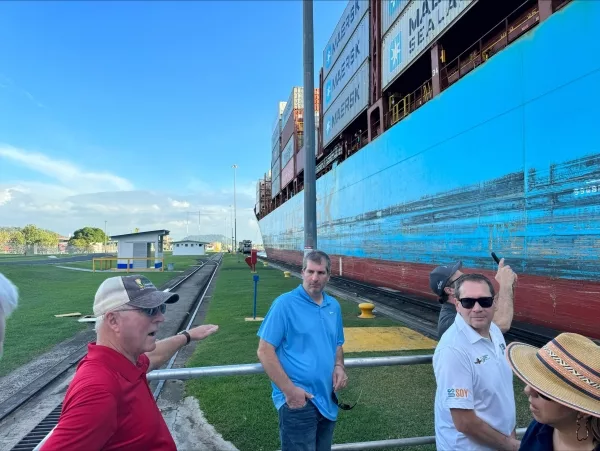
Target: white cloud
point(80, 197)
point(178, 204)
point(64, 171)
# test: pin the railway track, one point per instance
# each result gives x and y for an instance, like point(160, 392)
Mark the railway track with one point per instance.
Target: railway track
point(420, 314)
point(19, 399)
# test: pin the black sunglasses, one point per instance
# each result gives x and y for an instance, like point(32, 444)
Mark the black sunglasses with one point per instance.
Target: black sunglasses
point(342, 405)
point(162, 308)
point(469, 303)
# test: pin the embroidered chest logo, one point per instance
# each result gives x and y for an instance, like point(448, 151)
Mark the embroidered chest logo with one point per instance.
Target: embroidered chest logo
point(502, 347)
point(482, 359)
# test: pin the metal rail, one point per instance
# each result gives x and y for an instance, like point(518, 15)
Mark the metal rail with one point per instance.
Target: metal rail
point(42, 431)
point(257, 368)
point(396, 443)
point(161, 382)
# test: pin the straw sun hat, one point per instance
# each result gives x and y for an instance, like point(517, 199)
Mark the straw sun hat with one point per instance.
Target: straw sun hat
point(566, 370)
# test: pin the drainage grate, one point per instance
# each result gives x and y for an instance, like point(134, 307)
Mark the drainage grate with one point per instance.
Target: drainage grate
point(31, 440)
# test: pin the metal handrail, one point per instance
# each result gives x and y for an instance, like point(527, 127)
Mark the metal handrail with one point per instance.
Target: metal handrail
point(257, 368)
point(396, 442)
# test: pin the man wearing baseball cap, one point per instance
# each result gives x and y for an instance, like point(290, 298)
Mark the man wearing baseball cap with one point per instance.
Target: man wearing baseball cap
point(109, 404)
point(441, 280)
point(9, 299)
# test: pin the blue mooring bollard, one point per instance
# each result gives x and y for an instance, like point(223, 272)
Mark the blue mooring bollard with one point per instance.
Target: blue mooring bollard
point(255, 278)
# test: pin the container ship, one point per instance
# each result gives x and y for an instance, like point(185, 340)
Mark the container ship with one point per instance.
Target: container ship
point(448, 129)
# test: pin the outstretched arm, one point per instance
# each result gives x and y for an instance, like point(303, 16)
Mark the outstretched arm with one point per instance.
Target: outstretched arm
point(507, 278)
point(165, 349)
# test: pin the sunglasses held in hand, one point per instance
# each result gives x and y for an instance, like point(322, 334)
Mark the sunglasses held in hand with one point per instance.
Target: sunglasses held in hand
point(342, 405)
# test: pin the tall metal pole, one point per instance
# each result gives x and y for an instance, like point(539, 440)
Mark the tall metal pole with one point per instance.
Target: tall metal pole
point(231, 223)
point(105, 236)
point(234, 207)
point(310, 195)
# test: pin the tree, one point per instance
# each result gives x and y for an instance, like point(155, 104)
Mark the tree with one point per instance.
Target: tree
point(32, 234)
point(89, 235)
point(79, 243)
point(16, 237)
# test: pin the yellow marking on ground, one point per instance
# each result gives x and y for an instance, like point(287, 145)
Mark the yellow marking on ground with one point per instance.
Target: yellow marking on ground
point(363, 339)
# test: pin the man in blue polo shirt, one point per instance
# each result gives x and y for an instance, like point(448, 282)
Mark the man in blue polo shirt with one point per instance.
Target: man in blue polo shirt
point(301, 351)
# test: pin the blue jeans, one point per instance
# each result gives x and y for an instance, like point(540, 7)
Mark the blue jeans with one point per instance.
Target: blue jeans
point(304, 429)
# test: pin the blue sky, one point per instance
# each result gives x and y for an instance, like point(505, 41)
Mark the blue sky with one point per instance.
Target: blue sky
point(134, 112)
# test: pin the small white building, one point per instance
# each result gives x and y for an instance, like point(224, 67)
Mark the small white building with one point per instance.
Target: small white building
point(147, 247)
point(189, 247)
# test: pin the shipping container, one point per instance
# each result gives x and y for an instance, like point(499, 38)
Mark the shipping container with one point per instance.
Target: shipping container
point(355, 53)
point(317, 99)
point(300, 160)
point(288, 150)
point(275, 186)
point(295, 102)
point(293, 125)
point(276, 168)
point(354, 12)
point(263, 188)
point(275, 152)
point(287, 173)
point(275, 137)
point(390, 10)
point(352, 101)
point(280, 110)
point(414, 31)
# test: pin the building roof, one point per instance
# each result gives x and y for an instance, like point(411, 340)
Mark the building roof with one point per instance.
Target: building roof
point(155, 232)
point(190, 241)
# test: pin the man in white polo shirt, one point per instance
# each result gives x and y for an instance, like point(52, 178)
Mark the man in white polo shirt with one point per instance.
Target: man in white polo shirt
point(474, 400)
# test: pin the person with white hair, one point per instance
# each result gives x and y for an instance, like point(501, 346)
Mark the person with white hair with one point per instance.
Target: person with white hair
point(109, 405)
point(9, 300)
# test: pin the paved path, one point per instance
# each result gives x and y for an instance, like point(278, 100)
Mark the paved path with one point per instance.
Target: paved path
point(53, 261)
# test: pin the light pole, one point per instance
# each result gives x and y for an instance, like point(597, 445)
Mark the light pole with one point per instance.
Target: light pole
point(105, 236)
point(310, 197)
point(234, 208)
point(231, 222)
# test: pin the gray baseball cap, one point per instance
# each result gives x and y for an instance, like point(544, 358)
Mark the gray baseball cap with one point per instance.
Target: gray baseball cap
point(135, 290)
point(438, 278)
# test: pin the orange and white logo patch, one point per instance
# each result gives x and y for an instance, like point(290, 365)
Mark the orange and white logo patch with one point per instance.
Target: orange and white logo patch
point(459, 393)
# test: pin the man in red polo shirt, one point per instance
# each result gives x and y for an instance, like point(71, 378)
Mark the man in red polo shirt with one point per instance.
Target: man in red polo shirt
point(109, 405)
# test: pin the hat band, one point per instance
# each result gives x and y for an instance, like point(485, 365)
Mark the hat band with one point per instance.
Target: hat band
point(569, 372)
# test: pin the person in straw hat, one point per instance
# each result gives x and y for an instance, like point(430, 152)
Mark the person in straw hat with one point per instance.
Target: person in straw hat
point(563, 386)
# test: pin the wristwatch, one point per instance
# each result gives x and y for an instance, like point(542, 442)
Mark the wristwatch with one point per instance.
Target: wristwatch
point(187, 336)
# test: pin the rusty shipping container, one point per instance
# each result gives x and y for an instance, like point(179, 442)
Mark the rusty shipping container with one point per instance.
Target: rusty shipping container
point(295, 102)
point(294, 125)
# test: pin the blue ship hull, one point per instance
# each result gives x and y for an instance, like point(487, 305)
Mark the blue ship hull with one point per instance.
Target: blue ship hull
point(506, 159)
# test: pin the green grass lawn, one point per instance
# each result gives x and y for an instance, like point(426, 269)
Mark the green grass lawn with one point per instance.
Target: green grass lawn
point(46, 291)
point(395, 402)
point(21, 257)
